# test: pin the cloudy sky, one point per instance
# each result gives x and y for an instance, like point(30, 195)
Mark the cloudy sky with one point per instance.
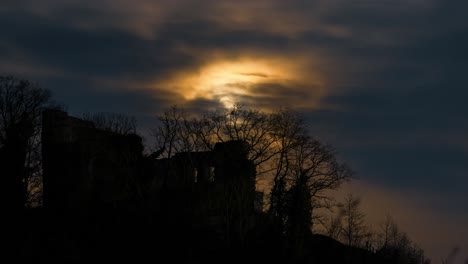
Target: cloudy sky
point(383, 81)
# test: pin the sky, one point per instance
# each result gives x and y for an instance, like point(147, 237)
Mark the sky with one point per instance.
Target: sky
point(384, 82)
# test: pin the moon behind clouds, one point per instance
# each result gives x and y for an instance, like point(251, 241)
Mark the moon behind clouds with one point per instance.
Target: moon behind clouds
point(232, 81)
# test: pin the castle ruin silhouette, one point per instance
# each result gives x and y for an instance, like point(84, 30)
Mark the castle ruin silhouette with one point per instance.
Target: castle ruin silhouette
point(86, 169)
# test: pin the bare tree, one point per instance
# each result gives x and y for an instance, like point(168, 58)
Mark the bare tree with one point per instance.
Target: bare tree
point(333, 226)
point(302, 169)
point(388, 234)
point(354, 229)
point(395, 246)
point(314, 167)
point(113, 122)
point(21, 105)
point(317, 162)
point(287, 128)
point(238, 123)
point(178, 131)
point(266, 135)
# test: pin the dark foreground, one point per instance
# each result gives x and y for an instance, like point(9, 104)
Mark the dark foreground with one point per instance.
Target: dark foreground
point(38, 236)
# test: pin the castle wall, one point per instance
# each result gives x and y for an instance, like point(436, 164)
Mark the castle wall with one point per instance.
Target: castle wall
point(83, 166)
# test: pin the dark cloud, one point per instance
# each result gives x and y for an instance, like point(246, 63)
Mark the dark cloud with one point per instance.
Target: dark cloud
point(104, 54)
point(392, 95)
point(288, 94)
point(200, 106)
point(404, 130)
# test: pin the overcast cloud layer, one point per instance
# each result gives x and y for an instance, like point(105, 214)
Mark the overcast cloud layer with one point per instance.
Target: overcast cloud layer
point(382, 81)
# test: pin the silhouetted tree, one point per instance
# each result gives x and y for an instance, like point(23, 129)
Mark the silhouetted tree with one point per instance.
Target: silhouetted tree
point(302, 168)
point(450, 258)
point(388, 234)
point(308, 165)
point(113, 122)
point(287, 128)
point(238, 123)
point(266, 135)
point(176, 133)
point(354, 229)
point(395, 246)
point(21, 103)
point(333, 226)
point(317, 163)
point(298, 223)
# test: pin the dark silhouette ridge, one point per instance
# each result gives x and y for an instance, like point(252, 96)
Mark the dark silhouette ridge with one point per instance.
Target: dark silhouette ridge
point(104, 200)
point(100, 180)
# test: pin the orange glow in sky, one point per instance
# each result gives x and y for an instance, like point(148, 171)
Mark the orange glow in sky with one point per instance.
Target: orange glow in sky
point(227, 81)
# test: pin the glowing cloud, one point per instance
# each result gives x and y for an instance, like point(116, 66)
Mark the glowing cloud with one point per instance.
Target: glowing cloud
point(228, 81)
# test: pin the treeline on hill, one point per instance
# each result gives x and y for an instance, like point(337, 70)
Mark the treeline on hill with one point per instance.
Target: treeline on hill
point(299, 170)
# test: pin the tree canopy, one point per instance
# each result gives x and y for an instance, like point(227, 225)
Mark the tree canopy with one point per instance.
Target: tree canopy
point(21, 105)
